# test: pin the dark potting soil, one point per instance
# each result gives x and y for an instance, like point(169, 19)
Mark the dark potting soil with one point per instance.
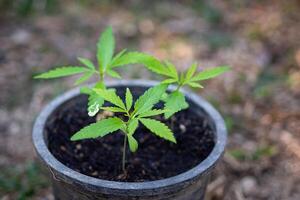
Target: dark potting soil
point(155, 158)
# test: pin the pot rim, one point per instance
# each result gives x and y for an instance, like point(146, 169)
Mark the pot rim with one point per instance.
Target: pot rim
point(94, 184)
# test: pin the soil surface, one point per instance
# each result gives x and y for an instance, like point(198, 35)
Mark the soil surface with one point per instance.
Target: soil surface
point(155, 158)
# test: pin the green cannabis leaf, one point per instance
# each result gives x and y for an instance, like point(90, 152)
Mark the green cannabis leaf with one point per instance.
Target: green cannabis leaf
point(132, 126)
point(153, 112)
point(117, 57)
point(128, 99)
point(84, 77)
point(191, 71)
point(95, 101)
point(63, 71)
point(159, 129)
point(99, 129)
point(174, 103)
point(194, 84)
point(87, 63)
point(140, 58)
point(210, 73)
point(111, 96)
point(133, 144)
point(113, 109)
point(172, 71)
point(113, 73)
point(149, 99)
point(105, 49)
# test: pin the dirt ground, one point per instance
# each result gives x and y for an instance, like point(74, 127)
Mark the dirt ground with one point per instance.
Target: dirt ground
point(259, 98)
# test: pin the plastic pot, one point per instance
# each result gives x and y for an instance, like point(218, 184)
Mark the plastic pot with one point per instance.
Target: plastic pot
point(69, 184)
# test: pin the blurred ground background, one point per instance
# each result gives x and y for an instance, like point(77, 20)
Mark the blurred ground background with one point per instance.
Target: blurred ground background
point(259, 98)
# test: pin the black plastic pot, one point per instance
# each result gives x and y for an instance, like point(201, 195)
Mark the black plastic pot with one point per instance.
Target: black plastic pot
point(69, 184)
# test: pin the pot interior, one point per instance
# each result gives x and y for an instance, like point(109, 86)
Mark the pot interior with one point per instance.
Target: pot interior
point(155, 158)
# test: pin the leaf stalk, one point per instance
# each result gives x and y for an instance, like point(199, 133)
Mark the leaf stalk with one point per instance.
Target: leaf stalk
point(124, 154)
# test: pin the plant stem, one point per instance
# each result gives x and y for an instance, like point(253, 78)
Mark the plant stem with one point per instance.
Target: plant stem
point(178, 87)
point(124, 153)
point(102, 77)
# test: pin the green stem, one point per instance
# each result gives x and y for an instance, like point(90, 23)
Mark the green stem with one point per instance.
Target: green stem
point(178, 87)
point(101, 77)
point(124, 153)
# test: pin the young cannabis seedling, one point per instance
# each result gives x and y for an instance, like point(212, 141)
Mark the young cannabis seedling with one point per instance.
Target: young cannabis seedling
point(107, 63)
point(106, 60)
point(175, 101)
point(140, 112)
point(131, 113)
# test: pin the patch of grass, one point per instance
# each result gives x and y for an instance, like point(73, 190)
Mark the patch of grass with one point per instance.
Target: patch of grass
point(24, 7)
point(264, 151)
point(24, 182)
point(238, 154)
point(218, 40)
point(229, 122)
point(28, 7)
point(210, 13)
point(254, 33)
point(234, 97)
point(266, 84)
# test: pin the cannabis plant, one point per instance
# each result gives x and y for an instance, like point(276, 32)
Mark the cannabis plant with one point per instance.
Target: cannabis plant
point(131, 113)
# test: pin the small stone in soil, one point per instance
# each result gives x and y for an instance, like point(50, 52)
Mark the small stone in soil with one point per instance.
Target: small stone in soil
point(182, 128)
point(248, 185)
point(63, 148)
